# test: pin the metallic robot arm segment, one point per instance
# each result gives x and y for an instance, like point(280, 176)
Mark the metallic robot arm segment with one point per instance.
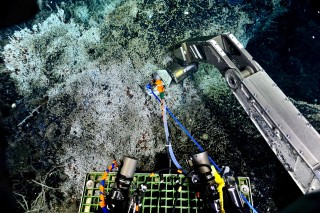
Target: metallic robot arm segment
point(292, 138)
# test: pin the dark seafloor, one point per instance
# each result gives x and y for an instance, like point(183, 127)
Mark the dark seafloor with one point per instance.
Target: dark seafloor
point(287, 48)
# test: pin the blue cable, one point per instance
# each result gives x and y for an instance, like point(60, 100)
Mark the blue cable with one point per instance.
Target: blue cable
point(185, 130)
point(248, 203)
point(193, 140)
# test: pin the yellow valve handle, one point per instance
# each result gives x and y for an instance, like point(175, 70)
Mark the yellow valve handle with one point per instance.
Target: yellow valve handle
point(219, 180)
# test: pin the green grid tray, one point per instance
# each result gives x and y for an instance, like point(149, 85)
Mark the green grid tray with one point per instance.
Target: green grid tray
point(159, 197)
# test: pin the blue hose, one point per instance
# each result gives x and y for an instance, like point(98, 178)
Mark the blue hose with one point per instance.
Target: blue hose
point(185, 130)
point(248, 203)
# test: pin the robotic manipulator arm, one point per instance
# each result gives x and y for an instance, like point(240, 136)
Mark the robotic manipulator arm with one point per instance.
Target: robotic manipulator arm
point(292, 138)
